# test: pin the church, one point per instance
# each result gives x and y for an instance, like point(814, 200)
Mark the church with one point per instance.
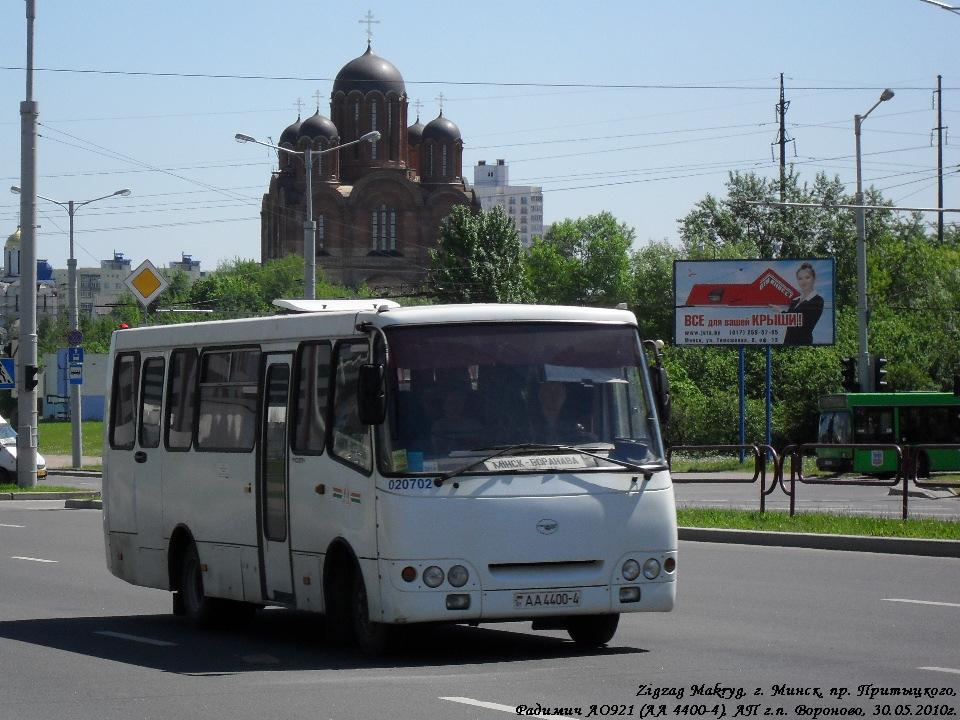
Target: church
point(378, 205)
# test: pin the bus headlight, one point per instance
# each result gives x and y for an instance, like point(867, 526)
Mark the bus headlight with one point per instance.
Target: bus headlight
point(651, 569)
point(433, 576)
point(630, 570)
point(458, 576)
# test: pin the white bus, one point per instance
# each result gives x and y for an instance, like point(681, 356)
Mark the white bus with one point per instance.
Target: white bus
point(389, 466)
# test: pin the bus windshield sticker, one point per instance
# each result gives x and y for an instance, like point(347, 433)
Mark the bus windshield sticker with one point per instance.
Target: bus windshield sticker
point(535, 462)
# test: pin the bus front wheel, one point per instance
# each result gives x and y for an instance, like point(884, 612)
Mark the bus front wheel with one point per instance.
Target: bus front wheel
point(372, 638)
point(593, 630)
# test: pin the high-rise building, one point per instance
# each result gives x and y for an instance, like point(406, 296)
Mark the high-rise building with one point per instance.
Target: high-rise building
point(522, 203)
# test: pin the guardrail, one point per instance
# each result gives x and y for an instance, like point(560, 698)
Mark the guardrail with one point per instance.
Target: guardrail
point(761, 453)
point(912, 461)
point(918, 462)
point(796, 453)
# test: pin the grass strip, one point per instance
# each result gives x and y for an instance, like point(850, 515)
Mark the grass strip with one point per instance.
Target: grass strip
point(823, 523)
point(56, 437)
point(11, 488)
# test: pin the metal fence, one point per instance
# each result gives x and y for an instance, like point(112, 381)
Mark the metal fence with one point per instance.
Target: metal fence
point(761, 454)
point(912, 463)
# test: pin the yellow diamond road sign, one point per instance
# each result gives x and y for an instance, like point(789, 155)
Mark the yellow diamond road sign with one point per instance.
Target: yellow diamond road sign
point(146, 283)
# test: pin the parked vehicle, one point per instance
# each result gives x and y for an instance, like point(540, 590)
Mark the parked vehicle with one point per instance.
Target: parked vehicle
point(8, 456)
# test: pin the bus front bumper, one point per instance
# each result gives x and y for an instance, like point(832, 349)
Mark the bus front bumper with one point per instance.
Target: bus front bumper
point(401, 607)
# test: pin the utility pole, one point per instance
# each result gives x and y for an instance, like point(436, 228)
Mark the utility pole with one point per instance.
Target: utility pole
point(940, 128)
point(27, 369)
point(782, 112)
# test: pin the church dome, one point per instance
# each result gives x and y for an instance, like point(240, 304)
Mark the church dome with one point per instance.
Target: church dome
point(13, 242)
point(317, 126)
point(441, 129)
point(415, 133)
point(369, 72)
point(291, 133)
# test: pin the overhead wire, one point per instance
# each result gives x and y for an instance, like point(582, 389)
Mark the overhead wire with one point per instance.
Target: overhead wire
point(465, 83)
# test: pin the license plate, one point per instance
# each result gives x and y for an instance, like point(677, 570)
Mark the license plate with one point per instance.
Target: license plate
point(548, 599)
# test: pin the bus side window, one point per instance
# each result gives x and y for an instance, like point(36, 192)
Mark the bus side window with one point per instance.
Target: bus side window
point(312, 394)
point(151, 398)
point(351, 439)
point(123, 401)
point(228, 400)
point(181, 399)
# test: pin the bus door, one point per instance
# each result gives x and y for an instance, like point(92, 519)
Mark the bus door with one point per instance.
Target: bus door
point(273, 495)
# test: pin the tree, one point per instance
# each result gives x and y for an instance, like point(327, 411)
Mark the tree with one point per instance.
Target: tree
point(479, 259)
point(913, 294)
point(651, 296)
point(582, 262)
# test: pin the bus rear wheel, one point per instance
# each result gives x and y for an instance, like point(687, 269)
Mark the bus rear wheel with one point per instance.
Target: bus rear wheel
point(372, 638)
point(593, 630)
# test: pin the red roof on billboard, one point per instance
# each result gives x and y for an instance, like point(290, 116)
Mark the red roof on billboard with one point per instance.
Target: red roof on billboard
point(768, 289)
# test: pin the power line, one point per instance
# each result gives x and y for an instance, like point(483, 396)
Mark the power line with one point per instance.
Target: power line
point(463, 83)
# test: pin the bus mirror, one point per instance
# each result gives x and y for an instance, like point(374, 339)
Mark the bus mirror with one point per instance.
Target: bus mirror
point(371, 394)
point(661, 389)
point(660, 382)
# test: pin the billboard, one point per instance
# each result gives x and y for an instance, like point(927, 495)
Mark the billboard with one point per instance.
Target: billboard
point(754, 302)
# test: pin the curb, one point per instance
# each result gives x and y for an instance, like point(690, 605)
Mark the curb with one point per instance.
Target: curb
point(79, 494)
point(854, 543)
point(83, 504)
point(70, 472)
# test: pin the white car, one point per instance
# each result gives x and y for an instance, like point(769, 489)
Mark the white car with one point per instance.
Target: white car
point(8, 456)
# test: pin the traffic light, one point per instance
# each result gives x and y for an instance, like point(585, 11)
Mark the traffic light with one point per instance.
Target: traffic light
point(30, 377)
point(849, 381)
point(880, 374)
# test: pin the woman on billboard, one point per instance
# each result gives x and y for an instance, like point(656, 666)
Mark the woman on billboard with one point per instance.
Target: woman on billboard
point(808, 303)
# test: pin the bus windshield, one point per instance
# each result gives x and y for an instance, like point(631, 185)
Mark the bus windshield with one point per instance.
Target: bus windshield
point(459, 391)
point(835, 428)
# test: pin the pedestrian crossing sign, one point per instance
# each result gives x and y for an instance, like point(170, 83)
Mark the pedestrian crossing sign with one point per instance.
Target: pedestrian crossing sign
point(7, 373)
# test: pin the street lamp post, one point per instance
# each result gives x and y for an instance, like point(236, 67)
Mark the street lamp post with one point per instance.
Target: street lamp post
point(74, 313)
point(863, 354)
point(309, 226)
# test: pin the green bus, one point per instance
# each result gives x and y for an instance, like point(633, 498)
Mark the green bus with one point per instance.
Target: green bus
point(905, 418)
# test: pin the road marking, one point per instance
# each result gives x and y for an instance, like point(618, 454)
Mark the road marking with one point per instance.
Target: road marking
point(20, 557)
point(135, 638)
point(18, 526)
point(952, 671)
point(922, 602)
point(512, 709)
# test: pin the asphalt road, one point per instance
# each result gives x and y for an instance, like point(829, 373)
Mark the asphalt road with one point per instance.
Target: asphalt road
point(78, 644)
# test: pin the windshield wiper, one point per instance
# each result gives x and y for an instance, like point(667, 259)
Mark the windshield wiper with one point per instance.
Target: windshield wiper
point(647, 470)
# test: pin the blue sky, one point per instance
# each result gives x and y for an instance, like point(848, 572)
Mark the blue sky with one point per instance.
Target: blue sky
point(647, 154)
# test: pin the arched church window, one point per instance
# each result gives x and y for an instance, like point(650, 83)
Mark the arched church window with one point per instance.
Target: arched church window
point(373, 126)
point(389, 138)
point(383, 229)
point(356, 128)
point(443, 160)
